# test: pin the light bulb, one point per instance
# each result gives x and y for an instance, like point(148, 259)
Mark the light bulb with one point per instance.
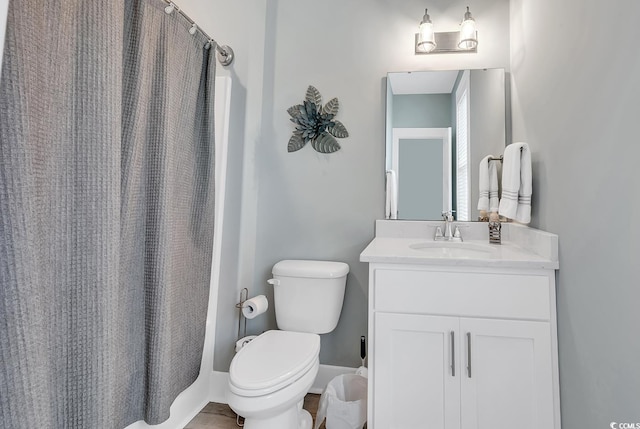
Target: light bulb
point(468, 38)
point(426, 36)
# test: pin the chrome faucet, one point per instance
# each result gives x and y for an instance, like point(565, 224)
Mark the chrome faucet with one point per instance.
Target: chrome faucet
point(450, 234)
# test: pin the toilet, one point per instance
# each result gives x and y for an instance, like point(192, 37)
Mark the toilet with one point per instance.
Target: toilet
point(270, 376)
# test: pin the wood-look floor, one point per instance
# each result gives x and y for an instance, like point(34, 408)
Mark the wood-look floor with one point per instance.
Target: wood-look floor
point(220, 416)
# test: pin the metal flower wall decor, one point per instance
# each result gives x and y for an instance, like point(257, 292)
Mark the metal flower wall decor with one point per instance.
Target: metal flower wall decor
point(316, 123)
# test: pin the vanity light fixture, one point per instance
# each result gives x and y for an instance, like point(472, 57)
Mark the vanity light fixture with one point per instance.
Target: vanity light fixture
point(428, 41)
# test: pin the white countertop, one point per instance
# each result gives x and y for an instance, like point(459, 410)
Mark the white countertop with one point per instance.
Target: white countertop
point(522, 247)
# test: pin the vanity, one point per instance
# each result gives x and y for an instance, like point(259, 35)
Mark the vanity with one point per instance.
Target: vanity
point(462, 335)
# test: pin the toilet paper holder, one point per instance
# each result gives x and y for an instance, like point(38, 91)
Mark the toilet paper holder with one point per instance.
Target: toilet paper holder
point(244, 296)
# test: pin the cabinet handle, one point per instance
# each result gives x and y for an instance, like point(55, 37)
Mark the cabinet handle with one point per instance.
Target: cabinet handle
point(453, 354)
point(469, 354)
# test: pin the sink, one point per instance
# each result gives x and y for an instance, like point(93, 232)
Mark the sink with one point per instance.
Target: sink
point(450, 249)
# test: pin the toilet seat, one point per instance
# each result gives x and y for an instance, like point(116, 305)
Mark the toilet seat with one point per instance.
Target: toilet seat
point(273, 361)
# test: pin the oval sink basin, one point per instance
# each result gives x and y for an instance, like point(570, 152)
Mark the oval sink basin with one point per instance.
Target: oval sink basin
point(453, 249)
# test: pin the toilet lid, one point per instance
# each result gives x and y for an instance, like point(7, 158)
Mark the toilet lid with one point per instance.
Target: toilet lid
point(273, 360)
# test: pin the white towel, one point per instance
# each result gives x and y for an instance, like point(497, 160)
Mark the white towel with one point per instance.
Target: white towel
point(516, 183)
point(488, 185)
point(483, 183)
point(391, 202)
point(494, 201)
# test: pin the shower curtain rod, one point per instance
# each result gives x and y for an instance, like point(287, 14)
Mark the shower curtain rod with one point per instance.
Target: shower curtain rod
point(224, 52)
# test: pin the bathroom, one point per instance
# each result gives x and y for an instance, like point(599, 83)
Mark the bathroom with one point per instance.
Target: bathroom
point(573, 95)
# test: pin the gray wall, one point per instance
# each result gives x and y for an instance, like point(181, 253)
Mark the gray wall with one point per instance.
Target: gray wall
point(422, 111)
point(575, 93)
point(304, 204)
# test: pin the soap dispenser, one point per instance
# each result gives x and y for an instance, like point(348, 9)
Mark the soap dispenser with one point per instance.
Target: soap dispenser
point(494, 228)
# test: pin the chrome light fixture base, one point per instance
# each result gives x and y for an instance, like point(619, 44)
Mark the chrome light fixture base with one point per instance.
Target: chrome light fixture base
point(446, 43)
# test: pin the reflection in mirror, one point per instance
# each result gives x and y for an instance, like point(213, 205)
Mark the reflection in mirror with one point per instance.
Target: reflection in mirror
point(425, 156)
point(440, 124)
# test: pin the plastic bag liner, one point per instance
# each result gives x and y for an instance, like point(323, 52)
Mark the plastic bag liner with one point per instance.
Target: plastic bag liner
point(344, 403)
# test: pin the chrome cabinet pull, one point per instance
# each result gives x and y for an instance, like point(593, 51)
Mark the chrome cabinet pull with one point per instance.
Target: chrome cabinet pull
point(469, 354)
point(453, 354)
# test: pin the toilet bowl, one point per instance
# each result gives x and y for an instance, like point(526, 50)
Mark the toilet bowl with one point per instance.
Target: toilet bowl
point(270, 376)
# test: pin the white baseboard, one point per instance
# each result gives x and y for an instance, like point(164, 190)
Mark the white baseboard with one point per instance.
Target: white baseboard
point(220, 381)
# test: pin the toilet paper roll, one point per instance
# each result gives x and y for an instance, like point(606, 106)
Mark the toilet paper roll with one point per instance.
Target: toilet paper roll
point(255, 306)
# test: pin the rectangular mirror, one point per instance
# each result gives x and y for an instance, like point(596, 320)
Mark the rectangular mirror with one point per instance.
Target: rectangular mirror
point(440, 124)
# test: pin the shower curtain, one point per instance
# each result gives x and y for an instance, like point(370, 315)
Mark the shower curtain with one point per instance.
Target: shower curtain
point(106, 211)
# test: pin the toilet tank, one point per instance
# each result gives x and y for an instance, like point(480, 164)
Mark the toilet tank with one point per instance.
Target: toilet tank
point(308, 295)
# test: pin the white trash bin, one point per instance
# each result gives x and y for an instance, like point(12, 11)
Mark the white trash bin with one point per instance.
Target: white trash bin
point(344, 403)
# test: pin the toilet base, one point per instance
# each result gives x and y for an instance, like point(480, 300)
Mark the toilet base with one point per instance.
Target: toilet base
point(306, 421)
point(294, 418)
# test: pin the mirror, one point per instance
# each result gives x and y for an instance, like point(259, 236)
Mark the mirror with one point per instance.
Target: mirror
point(440, 124)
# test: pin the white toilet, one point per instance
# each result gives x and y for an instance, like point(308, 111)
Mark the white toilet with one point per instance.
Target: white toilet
point(270, 376)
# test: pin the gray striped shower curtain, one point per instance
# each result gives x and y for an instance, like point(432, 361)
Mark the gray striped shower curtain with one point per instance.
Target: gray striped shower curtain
point(106, 211)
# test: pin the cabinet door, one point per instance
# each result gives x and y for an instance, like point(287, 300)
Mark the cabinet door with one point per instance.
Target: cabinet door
point(415, 372)
point(509, 382)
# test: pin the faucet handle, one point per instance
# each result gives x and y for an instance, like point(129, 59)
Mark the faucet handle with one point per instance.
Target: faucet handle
point(447, 216)
point(439, 233)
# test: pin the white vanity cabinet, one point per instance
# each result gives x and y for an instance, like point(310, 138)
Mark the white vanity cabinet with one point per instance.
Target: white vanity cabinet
point(459, 347)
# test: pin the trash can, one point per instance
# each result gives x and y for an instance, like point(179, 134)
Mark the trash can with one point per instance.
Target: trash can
point(344, 403)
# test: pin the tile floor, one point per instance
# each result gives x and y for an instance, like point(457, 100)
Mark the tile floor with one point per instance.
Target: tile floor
point(220, 416)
